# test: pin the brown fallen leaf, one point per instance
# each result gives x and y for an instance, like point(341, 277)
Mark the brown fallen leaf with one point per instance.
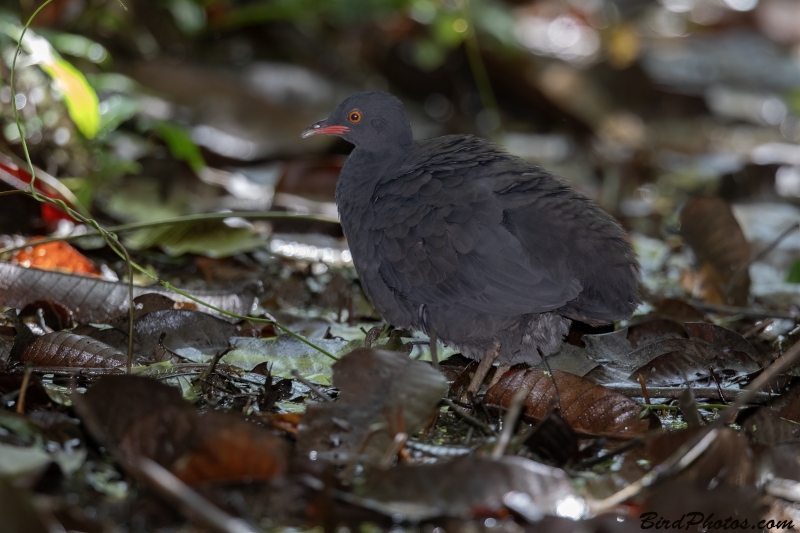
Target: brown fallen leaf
point(138, 416)
point(675, 361)
point(708, 225)
point(63, 348)
point(381, 394)
point(589, 408)
point(229, 448)
point(466, 486)
point(97, 300)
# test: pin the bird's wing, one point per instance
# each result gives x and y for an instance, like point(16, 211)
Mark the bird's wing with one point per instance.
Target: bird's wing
point(443, 239)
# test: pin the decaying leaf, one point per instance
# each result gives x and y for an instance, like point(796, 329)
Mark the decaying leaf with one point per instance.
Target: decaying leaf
point(589, 408)
point(675, 361)
point(381, 393)
point(468, 486)
point(96, 300)
point(63, 348)
point(228, 448)
point(708, 225)
point(138, 416)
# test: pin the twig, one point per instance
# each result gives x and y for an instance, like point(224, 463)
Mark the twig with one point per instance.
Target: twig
point(771, 246)
point(510, 420)
point(213, 364)
point(397, 444)
point(190, 503)
point(674, 393)
point(719, 387)
point(26, 379)
point(316, 390)
point(480, 424)
point(644, 390)
point(744, 311)
point(552, 378)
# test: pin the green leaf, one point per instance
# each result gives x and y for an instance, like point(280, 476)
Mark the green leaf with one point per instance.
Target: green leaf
point(180, 144)
point(794, 273)
point(81, 100)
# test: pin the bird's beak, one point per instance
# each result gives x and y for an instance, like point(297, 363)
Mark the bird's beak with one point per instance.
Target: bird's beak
point(322, 128)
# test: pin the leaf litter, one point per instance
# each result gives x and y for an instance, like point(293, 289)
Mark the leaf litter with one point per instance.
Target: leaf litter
point(224, 422)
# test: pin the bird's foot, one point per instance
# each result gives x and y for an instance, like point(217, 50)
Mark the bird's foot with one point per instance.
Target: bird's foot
point(481, 372)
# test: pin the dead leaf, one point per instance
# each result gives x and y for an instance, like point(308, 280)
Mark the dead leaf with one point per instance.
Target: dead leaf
point(229, 448)
point(376, 387)
point(675, 361)
point(589, 408)
point(139, 417)
point(63, 348)
point(465, 487)
point(708, 225)
point(96, 300)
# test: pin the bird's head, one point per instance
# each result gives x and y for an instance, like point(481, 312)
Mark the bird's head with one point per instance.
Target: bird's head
point(370, 120)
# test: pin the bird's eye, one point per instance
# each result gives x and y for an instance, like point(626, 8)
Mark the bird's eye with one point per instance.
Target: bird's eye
point(354, 116)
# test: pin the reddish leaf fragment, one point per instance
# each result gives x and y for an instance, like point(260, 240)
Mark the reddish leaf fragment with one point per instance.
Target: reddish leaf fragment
point(63, 348)
point(588, 408)
point(55, 256)
point(230, 448)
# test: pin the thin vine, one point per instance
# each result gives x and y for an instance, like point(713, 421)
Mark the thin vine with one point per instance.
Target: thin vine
point(113, 241)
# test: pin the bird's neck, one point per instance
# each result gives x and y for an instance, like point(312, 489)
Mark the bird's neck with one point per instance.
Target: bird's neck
point(363, 170)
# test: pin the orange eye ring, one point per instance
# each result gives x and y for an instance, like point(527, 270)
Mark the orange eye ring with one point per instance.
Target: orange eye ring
point(354, 116)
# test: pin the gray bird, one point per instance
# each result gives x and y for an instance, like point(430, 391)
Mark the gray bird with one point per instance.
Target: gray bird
point(455, 236)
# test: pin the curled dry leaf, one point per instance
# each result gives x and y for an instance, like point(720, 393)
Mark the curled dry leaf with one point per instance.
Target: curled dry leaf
point(589, 408)
point(229, 448)
point(63, 348)
point(708, 225)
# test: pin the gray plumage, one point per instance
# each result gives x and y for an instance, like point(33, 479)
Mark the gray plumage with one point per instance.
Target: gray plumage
point(455, 235)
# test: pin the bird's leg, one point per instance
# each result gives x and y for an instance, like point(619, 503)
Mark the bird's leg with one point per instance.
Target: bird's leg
point(434, 355)
point(483, 369)
point(499, 373)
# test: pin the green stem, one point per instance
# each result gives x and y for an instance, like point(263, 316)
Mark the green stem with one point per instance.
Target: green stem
point(111, 239)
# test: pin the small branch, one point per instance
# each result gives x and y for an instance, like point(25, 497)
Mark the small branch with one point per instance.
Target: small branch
point(190, 503)
point(510, 420)
point(316, 390)
point(480, 424)
point(26, 379)
point(674, 393)
point(744, 311)
point(644, 390)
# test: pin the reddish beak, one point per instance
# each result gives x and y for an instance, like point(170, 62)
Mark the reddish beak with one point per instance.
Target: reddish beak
point(321, 128)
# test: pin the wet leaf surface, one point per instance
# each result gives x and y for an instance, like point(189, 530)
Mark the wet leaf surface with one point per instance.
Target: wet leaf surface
point(589, 408)
point(63, 348)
